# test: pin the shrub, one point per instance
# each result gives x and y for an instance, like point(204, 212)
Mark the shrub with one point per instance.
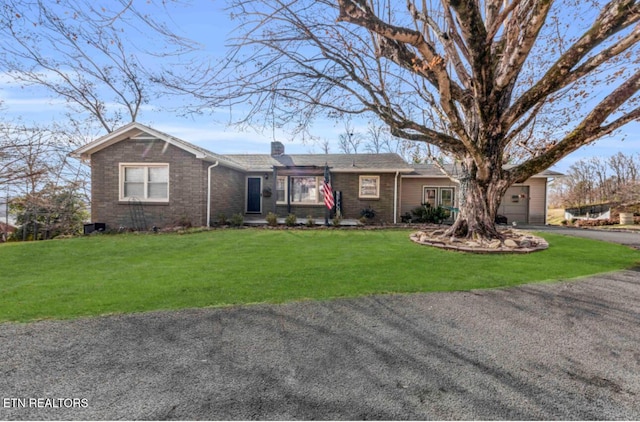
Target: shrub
point(406, 217)
point(428, 214)
point(291, 220)
point(311, 222)
point(237, 220)
point(336, 221)
point(368, 213)
point(272, 219)
point(222, 219)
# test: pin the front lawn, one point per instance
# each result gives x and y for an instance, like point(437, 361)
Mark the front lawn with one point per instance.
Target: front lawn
point(134, 273)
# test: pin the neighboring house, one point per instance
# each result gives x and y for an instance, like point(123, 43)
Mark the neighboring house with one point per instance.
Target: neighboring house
point(141, 177)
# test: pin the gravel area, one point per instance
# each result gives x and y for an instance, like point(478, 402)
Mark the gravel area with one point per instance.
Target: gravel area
point(566, 350)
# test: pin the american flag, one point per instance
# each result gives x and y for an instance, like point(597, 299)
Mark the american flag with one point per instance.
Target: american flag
point(328, 192)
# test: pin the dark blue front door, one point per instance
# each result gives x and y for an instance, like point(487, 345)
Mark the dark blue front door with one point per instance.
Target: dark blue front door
point(254, 201)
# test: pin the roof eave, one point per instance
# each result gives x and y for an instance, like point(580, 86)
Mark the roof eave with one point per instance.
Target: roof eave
point(371, 170)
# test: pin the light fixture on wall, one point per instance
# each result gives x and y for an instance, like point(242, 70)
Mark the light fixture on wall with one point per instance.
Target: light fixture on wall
point(266, 176)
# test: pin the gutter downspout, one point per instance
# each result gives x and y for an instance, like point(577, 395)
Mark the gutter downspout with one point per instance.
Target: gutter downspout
point(395, 199)
point(209, 192)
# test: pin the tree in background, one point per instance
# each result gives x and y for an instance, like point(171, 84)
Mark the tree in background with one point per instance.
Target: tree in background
point(350, 140)
point(598, 180)
point(45, 186)
point(91, 55)
point(48, 213)
point(480, 80)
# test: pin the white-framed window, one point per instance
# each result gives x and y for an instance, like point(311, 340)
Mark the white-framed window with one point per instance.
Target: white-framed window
point(282, 189)
point(145, 182)
point(369, 187)
point(305, 189)
point(439, 196)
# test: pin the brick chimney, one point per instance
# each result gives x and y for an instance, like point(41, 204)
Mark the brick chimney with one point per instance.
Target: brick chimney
point(277, 148)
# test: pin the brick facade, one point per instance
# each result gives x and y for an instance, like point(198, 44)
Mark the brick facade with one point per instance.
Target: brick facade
point(352, 204)
point(187, 185)
point(227, 192)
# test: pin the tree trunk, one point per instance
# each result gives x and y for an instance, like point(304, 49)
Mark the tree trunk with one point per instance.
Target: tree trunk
point(479, 202)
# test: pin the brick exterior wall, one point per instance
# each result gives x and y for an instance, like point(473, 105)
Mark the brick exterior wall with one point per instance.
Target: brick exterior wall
point(227, 192)
point(348, 184)
point(187, 185)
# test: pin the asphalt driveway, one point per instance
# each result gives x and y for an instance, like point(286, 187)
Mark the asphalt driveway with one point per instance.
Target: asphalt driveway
point(567, 350)
point(629, 238)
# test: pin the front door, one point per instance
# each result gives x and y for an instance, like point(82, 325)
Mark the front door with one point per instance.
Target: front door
point(254, 195)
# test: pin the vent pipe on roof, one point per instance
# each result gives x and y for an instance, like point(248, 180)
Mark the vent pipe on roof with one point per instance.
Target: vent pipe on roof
point(277, 149)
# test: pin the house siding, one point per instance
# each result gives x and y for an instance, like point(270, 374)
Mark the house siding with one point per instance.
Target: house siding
point(537, 201)
point(412, 195)
point(412, 191)
point(187, 190)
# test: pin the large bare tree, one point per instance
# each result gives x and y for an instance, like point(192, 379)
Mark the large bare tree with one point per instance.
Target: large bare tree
point(94, 55)
point(482, 80)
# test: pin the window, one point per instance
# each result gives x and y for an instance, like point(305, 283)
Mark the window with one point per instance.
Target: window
point(430, 196)
point(145, 182)
point(281, 189)
point(305, 189)
point(439, 197)
point(369, 187)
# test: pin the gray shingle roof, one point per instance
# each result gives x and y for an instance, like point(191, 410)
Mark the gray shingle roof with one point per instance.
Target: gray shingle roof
point(337, 162)
point(431, 170)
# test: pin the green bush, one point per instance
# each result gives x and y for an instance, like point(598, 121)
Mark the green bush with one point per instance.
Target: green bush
point(222, 219)
point(291, 220)
point(272, 219)
point(428, 214)
point(311, 222)
point(237, 220)
point(368, 213)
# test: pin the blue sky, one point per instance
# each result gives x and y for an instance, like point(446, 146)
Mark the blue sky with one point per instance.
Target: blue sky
point(208, 23)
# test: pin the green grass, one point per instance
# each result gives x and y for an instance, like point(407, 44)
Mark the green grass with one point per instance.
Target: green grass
point(134, 273)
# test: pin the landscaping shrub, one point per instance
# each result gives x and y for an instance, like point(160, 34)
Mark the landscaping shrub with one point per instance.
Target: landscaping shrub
point(237, 220)
point(291, 220)
point(222, 219)
point(272, 219)
point(428, 214)
point(368, 212)
point(367, 215)
point(311, 222)
point(406, 217)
